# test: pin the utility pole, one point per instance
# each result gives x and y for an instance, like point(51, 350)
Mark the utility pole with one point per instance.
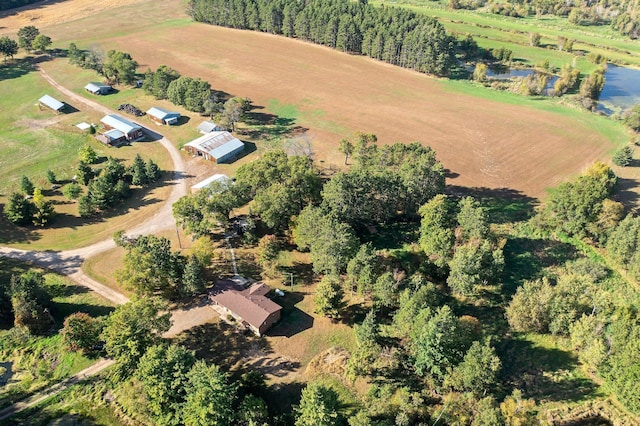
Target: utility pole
point(178, 234)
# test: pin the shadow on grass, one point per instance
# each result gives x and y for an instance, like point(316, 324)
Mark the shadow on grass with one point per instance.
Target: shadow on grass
point(10, 233)
point(504, 205)
point(625, 192)
point(16, 68)
point(526, 259)
point(543, 373)
point(265, 126)
point(302, 273)
point(294, 320)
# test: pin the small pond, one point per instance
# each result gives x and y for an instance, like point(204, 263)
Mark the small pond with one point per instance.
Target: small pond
point(507, 73)
point(621, 89)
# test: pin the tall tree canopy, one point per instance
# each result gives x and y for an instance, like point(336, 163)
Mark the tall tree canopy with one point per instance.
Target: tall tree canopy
point(395, 35)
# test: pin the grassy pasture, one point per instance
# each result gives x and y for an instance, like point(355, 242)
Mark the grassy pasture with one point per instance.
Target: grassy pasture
point(491, 27)
point(34, 140)
point(485, 139)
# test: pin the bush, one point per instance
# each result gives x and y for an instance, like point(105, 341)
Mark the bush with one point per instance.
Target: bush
point(623, 156)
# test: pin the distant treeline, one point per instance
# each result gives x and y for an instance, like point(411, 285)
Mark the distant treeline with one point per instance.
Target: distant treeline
point(622, 15)
point(393, 35)
point(10, 4)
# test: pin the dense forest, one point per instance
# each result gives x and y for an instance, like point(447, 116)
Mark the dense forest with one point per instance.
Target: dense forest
point(396, 36)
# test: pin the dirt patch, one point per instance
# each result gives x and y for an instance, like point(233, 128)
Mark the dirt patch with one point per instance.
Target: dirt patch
point(32, 124)
point(51, 12)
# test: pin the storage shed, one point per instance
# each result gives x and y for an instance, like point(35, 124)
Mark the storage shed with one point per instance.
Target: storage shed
point(131, 131)
point(162, 116)
point(112, 137)
point(218, 177)
point(51, 103)
point(216, 146)
point(208, 127)
point(98, 88)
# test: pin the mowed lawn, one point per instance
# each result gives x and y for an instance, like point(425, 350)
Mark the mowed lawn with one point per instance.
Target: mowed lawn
point(484, 138)
point(34, 140)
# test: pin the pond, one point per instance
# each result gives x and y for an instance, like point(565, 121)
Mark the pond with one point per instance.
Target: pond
point(506, 73)
point(621, 89)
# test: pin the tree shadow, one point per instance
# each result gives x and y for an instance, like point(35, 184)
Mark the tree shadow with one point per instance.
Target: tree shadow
point(61, 310)
point(265, 126)
point(543, 373)
point(16, 68)
point(10, 233)
point(504, 205)
point(528, 257)
point(626, 192)
point(355, 314)
point(302, 273)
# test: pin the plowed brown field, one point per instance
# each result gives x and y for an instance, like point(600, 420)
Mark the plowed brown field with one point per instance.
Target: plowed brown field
point(483, 142)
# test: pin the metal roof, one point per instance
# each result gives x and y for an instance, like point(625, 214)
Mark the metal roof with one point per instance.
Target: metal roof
point(208, 181)
point(217, 144)
point(208, 126)
point(119, 123)
point(95, 87)
point(161, 113)
point(114, 134)
point(52, 103)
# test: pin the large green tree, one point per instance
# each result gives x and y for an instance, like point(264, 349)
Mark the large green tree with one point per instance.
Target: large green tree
point(437, 237)
point(150, 267)
point(131, 329)
point(210, 397)
point(120, 66)
point(19, 210)
point(26, 36)
point(329, 297)
point(163, 372)
point(81, 332)
point(318, 406)
point(8, 47)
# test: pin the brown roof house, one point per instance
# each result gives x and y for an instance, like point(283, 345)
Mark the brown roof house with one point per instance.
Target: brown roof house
point(249, 306)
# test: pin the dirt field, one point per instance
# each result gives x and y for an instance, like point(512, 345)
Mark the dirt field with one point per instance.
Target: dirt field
point(483, 143)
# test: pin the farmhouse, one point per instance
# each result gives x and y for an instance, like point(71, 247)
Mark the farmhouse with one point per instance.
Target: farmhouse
point(250, 307)
point(98, 88)
point(223, 179)
point(162, 116)
point(208, 127)
point(51, 103)
point(215, 146)
point(131, 131)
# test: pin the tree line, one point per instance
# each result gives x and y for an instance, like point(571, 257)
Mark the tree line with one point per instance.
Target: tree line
point(393, 35)
point(621, 15)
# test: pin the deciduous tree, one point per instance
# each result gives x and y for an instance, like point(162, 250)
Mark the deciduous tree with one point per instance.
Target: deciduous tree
point(131, 329)
point(329, 297)
point(210, 397)
point(81, 332)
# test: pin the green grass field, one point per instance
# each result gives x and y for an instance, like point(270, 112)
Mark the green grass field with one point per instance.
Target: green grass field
point(491, 30)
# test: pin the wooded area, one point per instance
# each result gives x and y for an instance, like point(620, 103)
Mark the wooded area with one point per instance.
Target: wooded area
point(396, 36)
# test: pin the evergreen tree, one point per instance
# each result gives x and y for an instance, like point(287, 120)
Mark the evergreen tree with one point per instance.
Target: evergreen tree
point(138, 172)
point(26, 185)
point(329, 298)
point(318, 407)
point(192, 281)
point(19, 210)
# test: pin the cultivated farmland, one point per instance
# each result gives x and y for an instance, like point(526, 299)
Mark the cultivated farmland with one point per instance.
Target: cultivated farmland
point(485, 139)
